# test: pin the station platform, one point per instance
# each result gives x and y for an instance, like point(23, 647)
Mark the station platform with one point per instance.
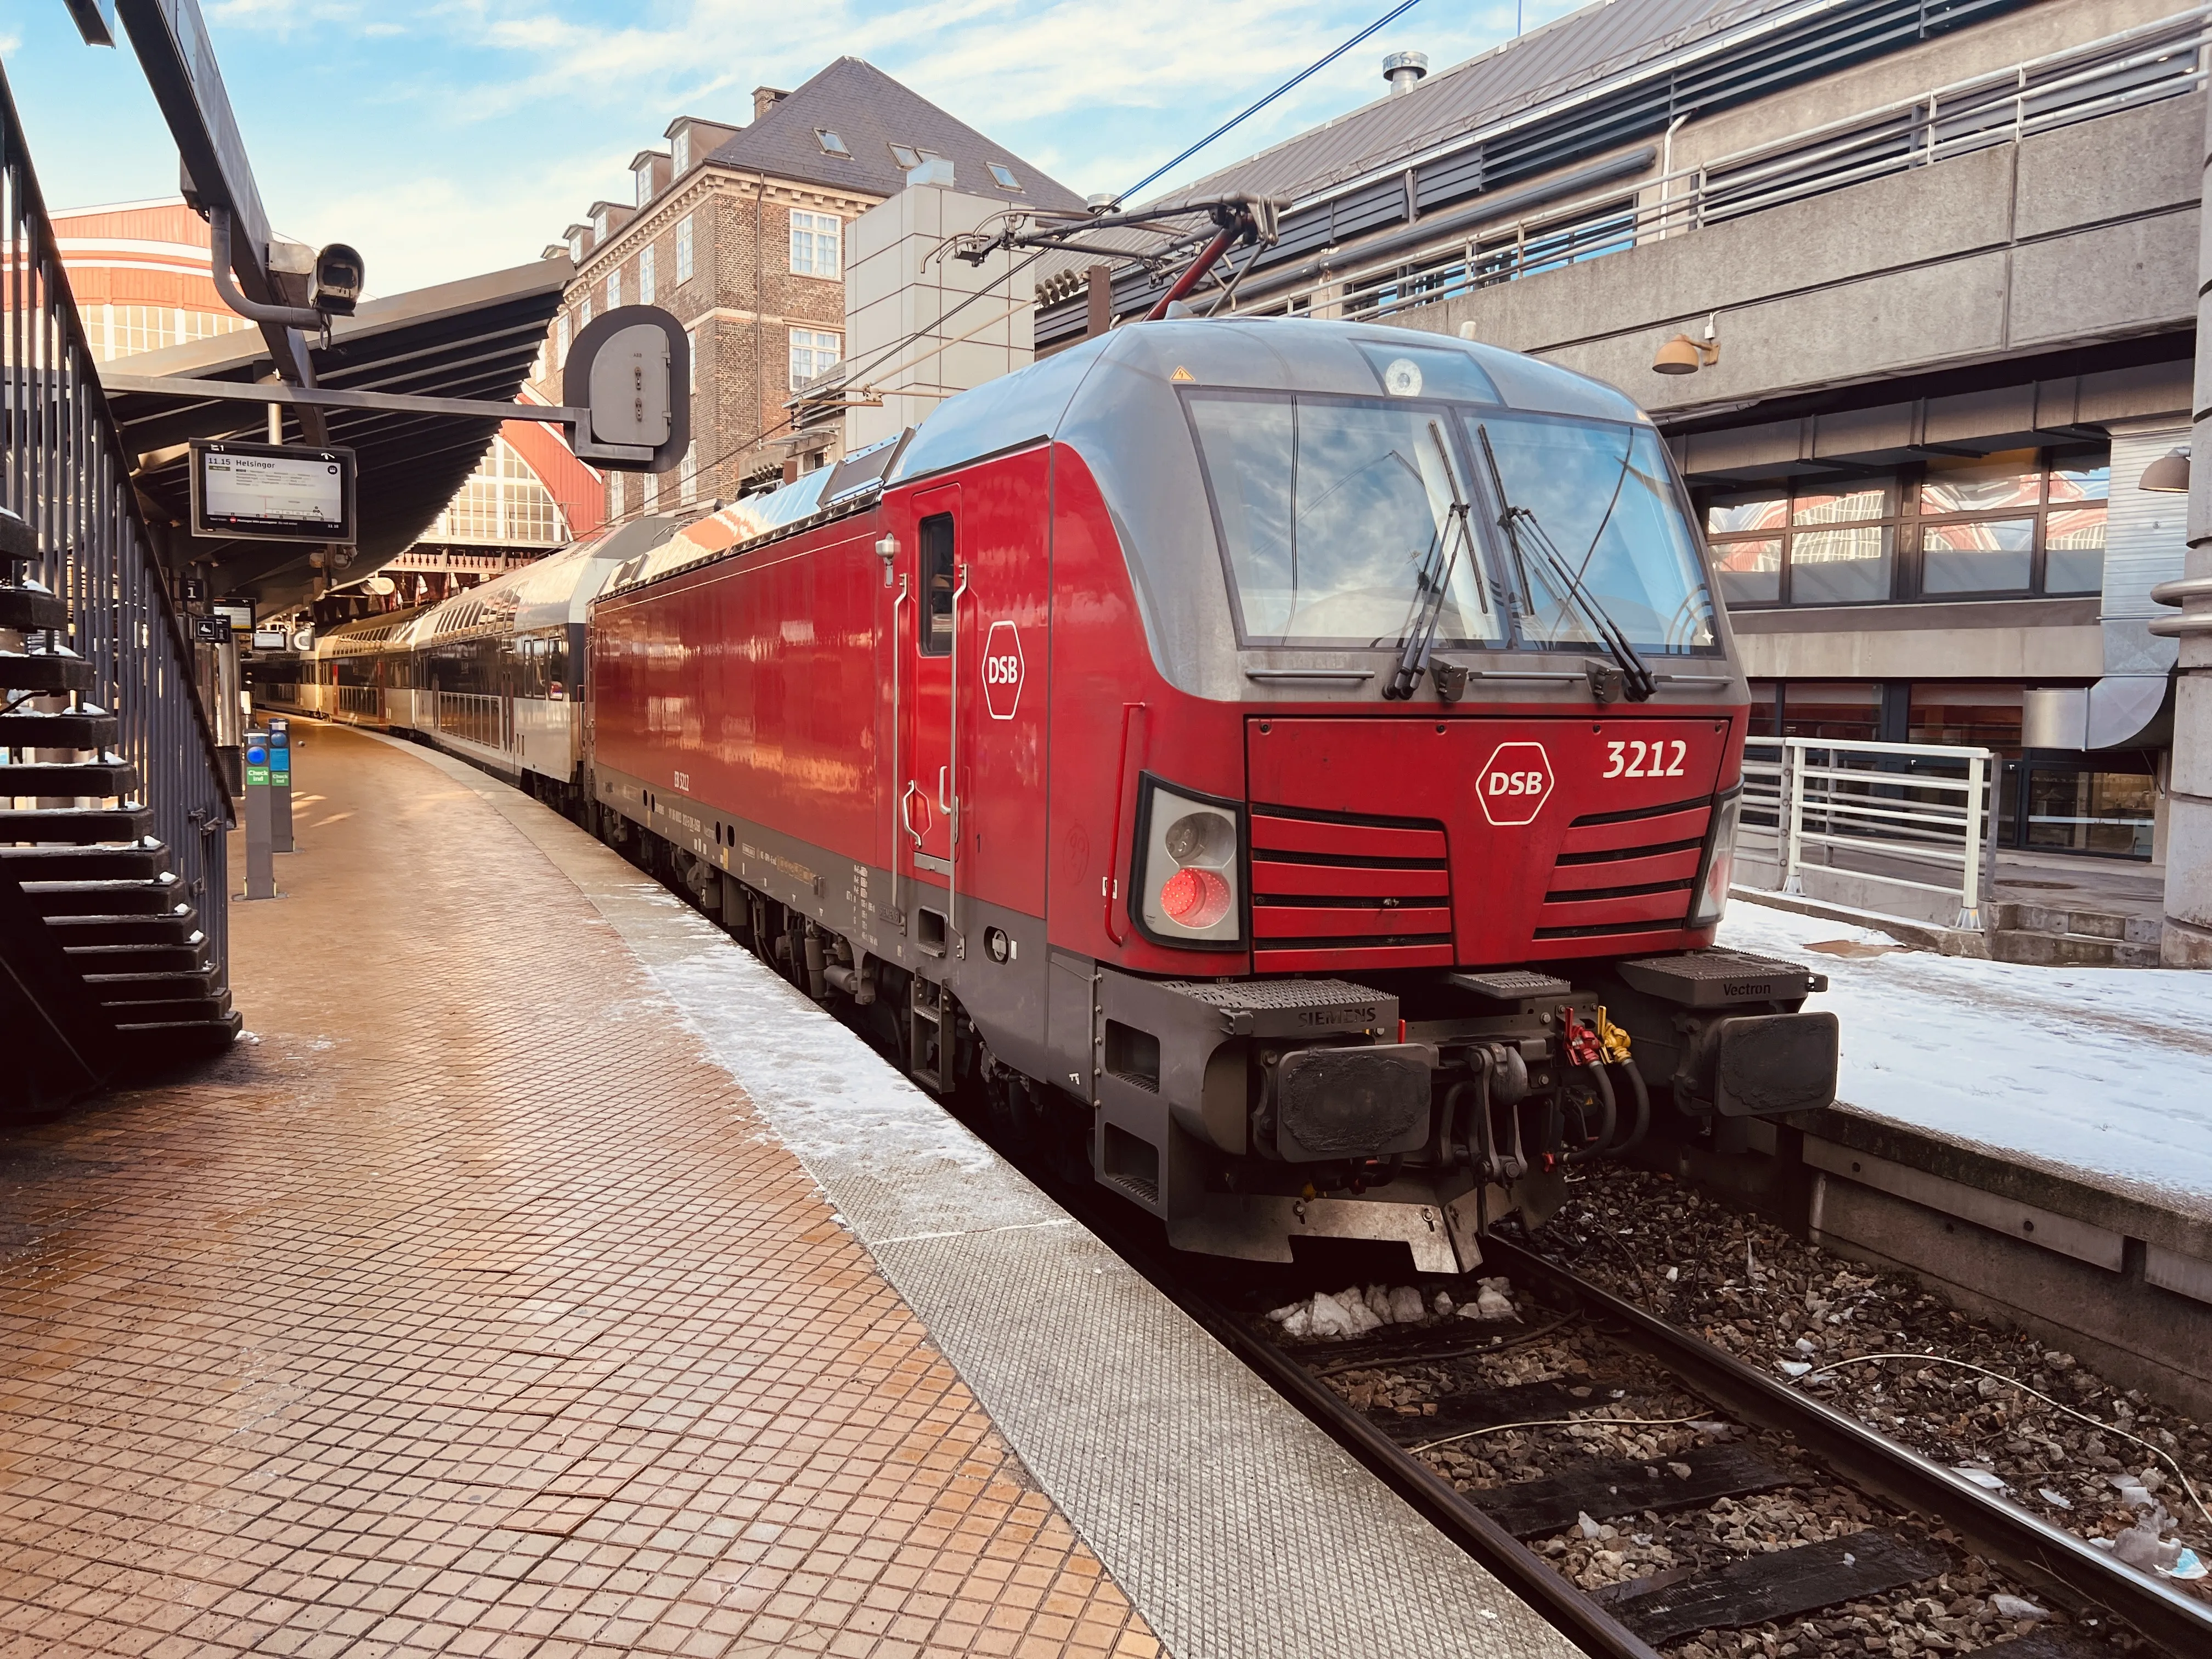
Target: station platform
point(545, 1276)
point(2096, 1073)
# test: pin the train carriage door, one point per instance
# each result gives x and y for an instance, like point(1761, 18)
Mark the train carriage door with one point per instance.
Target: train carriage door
point(922, 816)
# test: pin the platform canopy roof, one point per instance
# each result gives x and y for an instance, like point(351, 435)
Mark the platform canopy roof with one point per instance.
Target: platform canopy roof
point(475, 339)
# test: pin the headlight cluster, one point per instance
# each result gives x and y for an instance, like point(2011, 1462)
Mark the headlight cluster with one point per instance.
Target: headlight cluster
point(1712, 894)
point(1187, 864)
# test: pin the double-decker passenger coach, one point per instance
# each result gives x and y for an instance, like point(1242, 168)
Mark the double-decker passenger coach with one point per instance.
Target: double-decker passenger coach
point(1293, 766)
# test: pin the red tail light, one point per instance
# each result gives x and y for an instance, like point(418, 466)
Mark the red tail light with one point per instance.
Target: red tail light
point(1188, 863)
point(1195, 898)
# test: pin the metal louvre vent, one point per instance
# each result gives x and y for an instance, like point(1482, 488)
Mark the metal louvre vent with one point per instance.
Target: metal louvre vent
point(1344, 890)
point(1626, 872)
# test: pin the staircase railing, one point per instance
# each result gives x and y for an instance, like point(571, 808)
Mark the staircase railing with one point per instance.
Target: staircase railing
point(64, 472)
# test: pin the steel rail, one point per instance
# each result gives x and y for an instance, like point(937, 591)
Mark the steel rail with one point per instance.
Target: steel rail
point(1567, 1609)
point(1871, 1459)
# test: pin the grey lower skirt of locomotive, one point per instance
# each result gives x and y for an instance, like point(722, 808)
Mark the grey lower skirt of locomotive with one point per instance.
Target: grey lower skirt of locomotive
point(1327, 1086)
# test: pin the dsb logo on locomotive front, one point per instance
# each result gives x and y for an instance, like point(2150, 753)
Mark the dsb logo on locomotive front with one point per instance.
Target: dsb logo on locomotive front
point(1514, 783)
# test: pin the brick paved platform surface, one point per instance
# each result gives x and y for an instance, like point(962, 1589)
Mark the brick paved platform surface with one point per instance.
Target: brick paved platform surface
point(471, 1310)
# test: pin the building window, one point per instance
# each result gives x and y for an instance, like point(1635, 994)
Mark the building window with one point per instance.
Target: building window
point(830, 142)
point(687, 472)
point(502, 504)
point(684, 250)
point(614, 289)
point(692, 358)
point(2008, 525)
point(2016, 522)
point(813, 353)
point(645, 263)
point(645, 184)
point(113, 331)
point(561, 343)
point(1004, 175)
point(814, 243)
point(576, 247)
point(679, 155)
point(599, 226)
point(907, 156)
point(1841, 544)
point(614, 494)
point(584, 314)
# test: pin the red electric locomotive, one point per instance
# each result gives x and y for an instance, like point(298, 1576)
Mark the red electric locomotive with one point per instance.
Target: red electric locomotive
point(1296, 763)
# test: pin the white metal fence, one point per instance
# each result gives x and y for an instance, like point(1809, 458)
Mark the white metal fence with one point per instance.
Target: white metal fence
point(1900, 830)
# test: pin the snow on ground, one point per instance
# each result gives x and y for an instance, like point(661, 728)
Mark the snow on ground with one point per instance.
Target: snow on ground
point(2100, 1070)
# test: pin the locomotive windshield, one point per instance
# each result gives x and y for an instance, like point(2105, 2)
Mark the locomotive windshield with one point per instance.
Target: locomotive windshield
point(1601, 491)
point(1331, 512)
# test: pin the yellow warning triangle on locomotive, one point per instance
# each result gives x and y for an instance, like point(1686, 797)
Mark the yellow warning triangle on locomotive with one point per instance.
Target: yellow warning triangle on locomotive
point(1181, 374)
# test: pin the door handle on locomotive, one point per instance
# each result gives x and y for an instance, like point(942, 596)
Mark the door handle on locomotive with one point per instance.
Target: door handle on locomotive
point(906, 811)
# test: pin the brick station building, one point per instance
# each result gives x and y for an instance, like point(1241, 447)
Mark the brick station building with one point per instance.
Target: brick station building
point(740, 231)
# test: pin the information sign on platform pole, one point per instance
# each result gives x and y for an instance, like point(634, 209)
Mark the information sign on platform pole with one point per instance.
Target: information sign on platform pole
point(272, 492)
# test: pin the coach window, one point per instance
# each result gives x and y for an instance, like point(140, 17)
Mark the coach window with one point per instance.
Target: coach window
point(937, 585)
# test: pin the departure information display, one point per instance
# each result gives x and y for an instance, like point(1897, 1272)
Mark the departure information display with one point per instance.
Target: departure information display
point(272, 491)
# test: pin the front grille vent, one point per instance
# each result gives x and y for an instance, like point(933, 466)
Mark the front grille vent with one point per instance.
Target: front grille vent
point(1622, 873)
point(1338, 891)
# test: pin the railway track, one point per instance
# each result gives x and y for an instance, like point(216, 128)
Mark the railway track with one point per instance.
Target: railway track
point(1923, 1525)
point(1896, 1523)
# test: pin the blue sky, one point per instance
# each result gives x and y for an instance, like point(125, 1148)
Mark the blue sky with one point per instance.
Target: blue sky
point(448, 139)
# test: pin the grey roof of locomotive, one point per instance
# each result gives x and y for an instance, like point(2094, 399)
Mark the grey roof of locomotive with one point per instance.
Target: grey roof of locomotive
point(1113, 401)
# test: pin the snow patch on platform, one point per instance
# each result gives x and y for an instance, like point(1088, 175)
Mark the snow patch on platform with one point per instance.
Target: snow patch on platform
point(2099, 1070)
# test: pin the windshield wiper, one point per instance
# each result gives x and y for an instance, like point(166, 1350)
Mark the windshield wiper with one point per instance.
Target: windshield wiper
point(1416, 644)
point(1636, 682)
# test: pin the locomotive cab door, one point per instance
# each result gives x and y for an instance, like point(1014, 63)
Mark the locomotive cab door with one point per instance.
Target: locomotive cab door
point(924, 815)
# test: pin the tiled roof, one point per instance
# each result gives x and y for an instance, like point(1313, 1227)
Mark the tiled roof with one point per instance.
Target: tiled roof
point(870, 111)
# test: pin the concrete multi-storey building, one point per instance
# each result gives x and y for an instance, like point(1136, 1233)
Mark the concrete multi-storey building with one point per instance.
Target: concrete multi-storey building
point(739, 230)
point(1920, 284)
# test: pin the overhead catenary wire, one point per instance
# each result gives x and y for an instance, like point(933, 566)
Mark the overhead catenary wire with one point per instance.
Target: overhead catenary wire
point(1014, 271)
point(1250, 110)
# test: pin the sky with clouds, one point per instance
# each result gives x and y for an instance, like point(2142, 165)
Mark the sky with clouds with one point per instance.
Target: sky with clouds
point(448, 138)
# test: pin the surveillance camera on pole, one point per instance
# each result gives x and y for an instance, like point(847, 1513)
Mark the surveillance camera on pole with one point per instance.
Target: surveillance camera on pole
point(340, 274)
point(630, 372)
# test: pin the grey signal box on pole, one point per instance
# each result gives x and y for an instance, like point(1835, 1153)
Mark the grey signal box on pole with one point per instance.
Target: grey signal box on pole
point(631, 370)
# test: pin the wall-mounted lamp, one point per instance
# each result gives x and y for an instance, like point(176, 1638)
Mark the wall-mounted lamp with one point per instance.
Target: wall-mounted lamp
point(2169, 473)
point(1683, 356)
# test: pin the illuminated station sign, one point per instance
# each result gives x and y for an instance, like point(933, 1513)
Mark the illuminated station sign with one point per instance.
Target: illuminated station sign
point(275, 492)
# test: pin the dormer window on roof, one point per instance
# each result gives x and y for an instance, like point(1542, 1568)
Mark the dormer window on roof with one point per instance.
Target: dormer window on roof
point(831, 143)
point(679, 152)
point(907, 156)
point(576, 247)
point(645, 184)
point(1004, 175)
point(599, 226)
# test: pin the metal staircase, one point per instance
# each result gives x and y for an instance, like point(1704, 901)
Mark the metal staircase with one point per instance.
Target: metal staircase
point(113, 798)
